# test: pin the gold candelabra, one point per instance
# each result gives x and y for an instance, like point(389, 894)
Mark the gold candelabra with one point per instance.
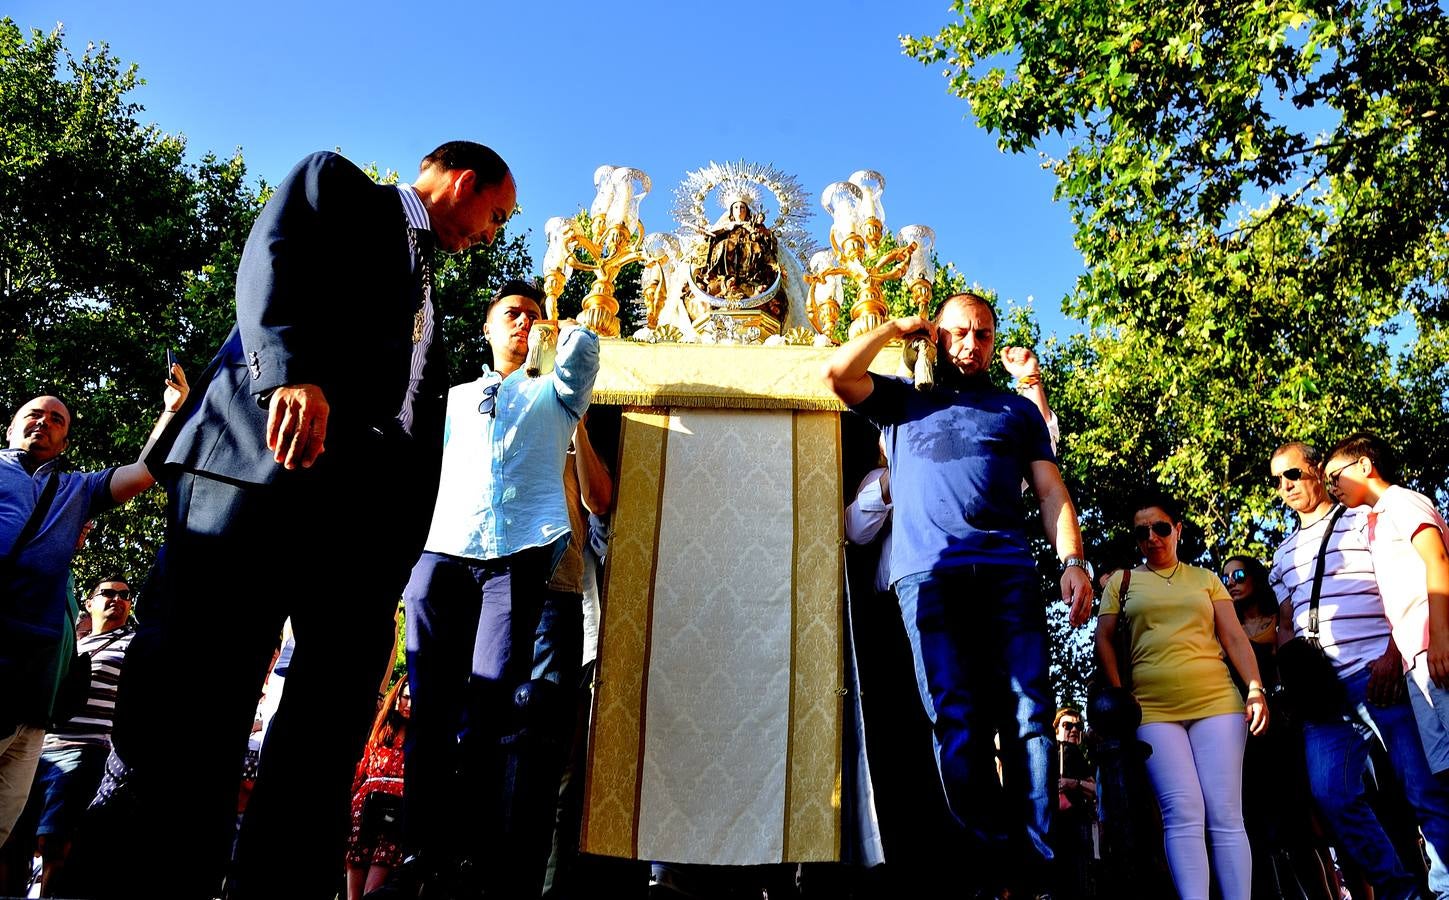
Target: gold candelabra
point(856, 233)
point(613, 241)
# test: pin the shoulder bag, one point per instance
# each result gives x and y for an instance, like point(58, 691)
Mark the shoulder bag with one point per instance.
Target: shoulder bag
point(1309, 685)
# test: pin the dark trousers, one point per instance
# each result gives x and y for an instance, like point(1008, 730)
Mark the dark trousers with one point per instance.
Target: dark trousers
point(917, 829)
point(978, 636)
point(493, 655)
point(330, 548)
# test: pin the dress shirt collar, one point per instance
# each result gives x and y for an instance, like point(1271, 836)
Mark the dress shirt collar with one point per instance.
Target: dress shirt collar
point(413, 208)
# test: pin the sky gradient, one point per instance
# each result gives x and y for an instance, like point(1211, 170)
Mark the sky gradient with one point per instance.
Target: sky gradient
point(815, 89)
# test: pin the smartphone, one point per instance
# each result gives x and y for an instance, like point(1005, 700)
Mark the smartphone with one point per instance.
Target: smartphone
point(170, 361)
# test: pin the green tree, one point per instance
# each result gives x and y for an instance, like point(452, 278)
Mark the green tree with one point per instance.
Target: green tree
point(115, 249)
point(1261, 192)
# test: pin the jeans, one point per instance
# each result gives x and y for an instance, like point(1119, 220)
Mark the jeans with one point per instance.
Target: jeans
point(978, 638)
point(1336, 753)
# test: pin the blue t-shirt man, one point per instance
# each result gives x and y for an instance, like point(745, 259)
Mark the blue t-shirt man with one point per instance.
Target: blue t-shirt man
point(37, 638)
point(957, 459)
point(35, 619)
point(963, 572)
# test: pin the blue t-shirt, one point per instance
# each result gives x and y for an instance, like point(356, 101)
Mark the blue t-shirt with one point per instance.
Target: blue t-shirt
point(957, 460)
point(36, 616)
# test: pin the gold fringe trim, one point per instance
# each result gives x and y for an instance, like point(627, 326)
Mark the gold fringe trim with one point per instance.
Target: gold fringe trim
point(667, 397)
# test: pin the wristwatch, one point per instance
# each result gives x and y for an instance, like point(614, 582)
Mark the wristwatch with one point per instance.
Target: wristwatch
point(1078, 563)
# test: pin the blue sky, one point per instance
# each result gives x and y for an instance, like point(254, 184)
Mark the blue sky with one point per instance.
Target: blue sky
point(816, 89)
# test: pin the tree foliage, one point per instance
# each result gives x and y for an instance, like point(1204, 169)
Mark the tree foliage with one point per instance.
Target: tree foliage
point(116, 248)
point(1261, 193)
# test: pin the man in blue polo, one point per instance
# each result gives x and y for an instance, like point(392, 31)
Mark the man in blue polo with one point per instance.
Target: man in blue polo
point(963, 570)
point(42, 512)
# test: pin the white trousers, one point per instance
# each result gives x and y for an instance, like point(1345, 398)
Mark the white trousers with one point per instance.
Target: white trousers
point(1196, 769)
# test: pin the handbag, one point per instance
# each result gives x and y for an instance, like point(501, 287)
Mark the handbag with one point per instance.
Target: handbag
point(1309, 685)
point(381, 811)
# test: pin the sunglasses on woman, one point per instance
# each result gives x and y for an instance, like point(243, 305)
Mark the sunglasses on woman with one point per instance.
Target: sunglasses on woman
point(1161, 529)
point(1236, 576)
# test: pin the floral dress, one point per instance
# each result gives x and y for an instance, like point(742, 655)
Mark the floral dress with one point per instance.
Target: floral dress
point(381, 771)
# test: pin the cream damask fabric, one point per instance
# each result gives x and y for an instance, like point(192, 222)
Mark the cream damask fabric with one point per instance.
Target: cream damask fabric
point(721, 376)
point(717, 729)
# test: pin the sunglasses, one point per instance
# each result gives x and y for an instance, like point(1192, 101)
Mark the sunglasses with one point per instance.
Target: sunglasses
point(1161, 529)
point(1236, 576)
point(488, 406)
point(1293, 474)
point(112, 594)
point(1071, 726)
point(1332, 477)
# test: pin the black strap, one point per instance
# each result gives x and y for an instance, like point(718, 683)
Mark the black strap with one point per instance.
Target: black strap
point(114, 638)
point(37, 516)
point(1124, 632)
point(1333, 517)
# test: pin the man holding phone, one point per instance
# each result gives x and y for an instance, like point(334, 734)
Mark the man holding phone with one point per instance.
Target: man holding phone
point(44, 511)
point(962, 568)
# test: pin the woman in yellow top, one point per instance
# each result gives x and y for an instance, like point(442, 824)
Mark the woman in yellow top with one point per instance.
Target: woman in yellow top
point(1181, 620)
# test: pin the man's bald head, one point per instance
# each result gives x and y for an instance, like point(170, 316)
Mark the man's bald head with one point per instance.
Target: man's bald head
point(41, 428)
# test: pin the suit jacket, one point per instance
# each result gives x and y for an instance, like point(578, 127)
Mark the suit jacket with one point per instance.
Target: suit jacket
point(326, 295)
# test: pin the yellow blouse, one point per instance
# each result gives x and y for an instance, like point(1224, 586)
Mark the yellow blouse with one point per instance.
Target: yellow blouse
point(1178, 670)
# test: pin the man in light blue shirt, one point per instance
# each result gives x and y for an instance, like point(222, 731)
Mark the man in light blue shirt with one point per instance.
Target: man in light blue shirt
point(490, 650)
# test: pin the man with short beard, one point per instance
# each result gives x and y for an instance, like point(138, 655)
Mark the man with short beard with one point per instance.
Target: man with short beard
point(1355, 636)
point(962, 567)
point(304, 470)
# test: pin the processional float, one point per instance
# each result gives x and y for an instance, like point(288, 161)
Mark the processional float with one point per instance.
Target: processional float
point(721, 698)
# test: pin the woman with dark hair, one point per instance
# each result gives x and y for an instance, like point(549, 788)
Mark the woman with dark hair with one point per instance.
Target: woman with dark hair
point(1180, 620)
point(1247, 582)
point(1289, 843)
point(373, 846)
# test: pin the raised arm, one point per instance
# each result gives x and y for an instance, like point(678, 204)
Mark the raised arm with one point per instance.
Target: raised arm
point(1022, 364)
point(130, 480)
point(595, 483)
point(576, 365)
point(848, 370)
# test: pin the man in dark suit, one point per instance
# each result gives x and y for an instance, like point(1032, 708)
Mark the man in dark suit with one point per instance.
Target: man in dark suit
point(336, 348)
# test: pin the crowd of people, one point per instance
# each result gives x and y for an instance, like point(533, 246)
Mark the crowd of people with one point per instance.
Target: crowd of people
point(1274, 731)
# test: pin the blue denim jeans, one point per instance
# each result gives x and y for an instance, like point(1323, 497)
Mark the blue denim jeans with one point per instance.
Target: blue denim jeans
point(1337, 752)
point(978, 636)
